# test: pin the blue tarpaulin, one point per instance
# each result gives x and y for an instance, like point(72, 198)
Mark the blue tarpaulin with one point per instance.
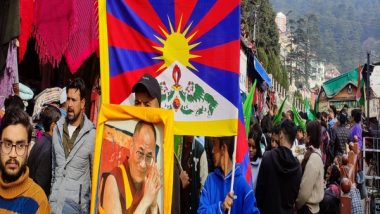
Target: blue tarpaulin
point(260, 69)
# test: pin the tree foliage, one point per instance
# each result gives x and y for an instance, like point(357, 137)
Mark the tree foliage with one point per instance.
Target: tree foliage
point(304, 43)
point(267, 38)
point(348, 29)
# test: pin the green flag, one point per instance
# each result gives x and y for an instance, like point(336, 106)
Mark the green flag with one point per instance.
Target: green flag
point(278, 116)
point(247, 107)
point(310, 114)
point(298, 120)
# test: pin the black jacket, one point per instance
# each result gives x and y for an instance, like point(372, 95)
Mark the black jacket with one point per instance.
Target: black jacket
point(278, 181)
point(39, 163)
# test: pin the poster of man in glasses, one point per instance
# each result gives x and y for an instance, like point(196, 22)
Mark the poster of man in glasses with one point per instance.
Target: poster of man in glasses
point(131, 167)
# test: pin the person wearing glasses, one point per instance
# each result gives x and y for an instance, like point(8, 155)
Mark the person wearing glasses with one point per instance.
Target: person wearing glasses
point(133, 186)
point(18, 192)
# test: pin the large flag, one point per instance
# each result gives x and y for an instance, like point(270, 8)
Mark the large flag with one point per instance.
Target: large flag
point(247, 108)
point(191, 47)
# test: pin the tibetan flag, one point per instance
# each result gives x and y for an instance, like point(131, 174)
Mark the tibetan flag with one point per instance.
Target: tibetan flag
point(247, 108)
point(191, 47)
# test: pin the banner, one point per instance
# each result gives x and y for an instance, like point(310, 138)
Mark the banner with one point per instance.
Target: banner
point(130, 138)
point(191, 47)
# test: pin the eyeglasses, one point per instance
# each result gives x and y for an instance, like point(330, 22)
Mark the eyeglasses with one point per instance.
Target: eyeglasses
point(6, 147)
point(148, 158)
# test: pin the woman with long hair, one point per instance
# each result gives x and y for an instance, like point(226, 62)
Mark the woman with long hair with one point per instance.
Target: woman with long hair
point(255, 156)
point(311, 189)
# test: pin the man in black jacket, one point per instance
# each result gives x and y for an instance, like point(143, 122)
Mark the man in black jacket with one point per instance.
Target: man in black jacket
point(39, 161)
point(279, 175)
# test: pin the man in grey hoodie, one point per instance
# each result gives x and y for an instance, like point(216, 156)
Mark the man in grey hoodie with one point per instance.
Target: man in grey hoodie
point(279, 175)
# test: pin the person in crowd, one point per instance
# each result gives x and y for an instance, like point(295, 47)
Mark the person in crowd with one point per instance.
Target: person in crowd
point(279, 175)
point(264, 140)
point(63, 103)
point(18, 192)
point(208, 150)
point(356, 129)
point(12, 101)
point(193, 175)
point(332, 147)
point(216, 196)
point(331, 199)
point(39, 162)
point(73, 148)
point(322, 119)
point(148, 94)
point(289, 115)
point(274, 138)
point(332, 113)
point(266, 122)
point(255, 156)
point(311, 189)
point(300, 136)
point(143, 177)
point(343, 132)
point(354, 194)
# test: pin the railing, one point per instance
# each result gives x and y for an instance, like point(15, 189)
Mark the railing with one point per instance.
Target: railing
point(371, 168)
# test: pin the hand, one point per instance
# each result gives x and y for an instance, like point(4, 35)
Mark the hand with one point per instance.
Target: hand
point(185, 180)
point(228, 201)
point(152, 186)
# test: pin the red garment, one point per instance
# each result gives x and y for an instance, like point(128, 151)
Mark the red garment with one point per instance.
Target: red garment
point(53, 23)
point(83, 39)
point(26, 25)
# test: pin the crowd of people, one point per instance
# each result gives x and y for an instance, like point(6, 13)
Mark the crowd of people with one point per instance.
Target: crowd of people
point(294, 169)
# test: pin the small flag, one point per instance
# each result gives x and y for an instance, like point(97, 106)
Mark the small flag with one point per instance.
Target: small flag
point(360, 87)
point(247, 108)
point(277, 118)
point(310, 115)
point(242, 151)
point(298, 120)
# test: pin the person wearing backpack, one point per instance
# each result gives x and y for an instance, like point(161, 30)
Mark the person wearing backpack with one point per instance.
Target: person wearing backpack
point(311, 189)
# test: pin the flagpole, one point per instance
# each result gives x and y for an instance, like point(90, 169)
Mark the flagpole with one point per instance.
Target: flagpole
point(233, 170)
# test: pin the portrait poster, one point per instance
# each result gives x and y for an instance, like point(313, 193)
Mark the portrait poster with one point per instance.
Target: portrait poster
point(133, 151)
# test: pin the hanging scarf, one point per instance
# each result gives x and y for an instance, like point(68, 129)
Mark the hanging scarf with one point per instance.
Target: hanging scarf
point(26, 22)
point(53, 22)
point(83, 39)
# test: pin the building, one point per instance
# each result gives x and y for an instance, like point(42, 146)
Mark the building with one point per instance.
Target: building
point(280, 21)
point(317, 77)
point(331, 71)
point(339, 91)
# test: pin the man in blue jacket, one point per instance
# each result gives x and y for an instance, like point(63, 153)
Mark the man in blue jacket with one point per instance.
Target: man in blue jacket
point(216, 196)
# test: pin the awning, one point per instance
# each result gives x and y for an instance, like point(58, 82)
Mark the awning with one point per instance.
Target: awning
point(261, 71)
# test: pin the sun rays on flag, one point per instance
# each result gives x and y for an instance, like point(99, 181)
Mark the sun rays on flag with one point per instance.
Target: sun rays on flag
point(176, 47)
